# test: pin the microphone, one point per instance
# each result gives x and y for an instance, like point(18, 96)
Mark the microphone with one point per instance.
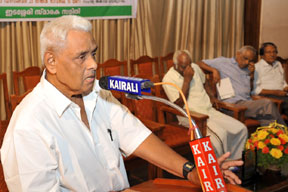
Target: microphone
point(131, 85)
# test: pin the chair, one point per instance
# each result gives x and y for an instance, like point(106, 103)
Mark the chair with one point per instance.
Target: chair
point(3, 186)
point(284, 63)
point(146, 66)
point(165, 63)
point(238, 112)
point(167, 115)
point(114, 67)
point(4, 90)
point(16, 99)
point(30, 77)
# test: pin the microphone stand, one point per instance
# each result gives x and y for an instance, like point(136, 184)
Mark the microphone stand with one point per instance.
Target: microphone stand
point(197, 132)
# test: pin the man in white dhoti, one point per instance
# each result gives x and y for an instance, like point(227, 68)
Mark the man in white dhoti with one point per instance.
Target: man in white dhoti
point(226, 133)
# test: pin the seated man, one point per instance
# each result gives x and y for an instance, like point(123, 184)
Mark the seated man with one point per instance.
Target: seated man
point(226, 133)
point(238, 70)
point(68, 134)
point(269, 76)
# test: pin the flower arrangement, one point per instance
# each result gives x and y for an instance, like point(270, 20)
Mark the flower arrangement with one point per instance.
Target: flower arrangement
point(271, 145)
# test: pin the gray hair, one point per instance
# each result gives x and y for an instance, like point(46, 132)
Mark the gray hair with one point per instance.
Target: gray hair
point(54, 33)
point(247, 48)
point(179, 52)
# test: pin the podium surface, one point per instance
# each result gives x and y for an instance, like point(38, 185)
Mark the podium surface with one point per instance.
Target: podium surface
point(167, 185)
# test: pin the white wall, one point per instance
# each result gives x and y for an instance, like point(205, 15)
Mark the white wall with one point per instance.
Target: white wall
point(274, 24)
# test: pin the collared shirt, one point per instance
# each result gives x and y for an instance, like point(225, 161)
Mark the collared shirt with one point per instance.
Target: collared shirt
point(240, 79)
point(47, 147)
point(197, 100)
point(268, 76)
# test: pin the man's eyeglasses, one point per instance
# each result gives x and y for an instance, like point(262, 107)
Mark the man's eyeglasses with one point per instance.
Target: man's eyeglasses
point(271, 52)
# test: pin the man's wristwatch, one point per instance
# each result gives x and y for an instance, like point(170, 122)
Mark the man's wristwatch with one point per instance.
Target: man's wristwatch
point(187, 168)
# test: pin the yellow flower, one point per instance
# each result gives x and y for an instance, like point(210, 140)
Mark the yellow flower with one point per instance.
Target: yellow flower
point(254, 139)
point(262, 135)
point(276, 153)
point(247, 145)
point(261, 145)
point(275, 141)
point(273, 130)
point(253, 134)
point(284, 137)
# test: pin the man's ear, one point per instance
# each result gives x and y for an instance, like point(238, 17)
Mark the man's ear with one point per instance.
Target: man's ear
point(49, 61)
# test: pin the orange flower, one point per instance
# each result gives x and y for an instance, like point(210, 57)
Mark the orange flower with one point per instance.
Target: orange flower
point(248, 145)
point(262, 134)
point(275, 141)
point(267, 141)
point(286, 150)
point(261, 145)
point(282, 141)
point(265, 150)
point(255, 143)
point(276, 153)
point(284, 137)
point(280, 147)
point(274, 130)
point(279, 132)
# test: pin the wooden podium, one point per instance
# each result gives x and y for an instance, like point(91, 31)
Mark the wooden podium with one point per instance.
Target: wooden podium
point(169, 185)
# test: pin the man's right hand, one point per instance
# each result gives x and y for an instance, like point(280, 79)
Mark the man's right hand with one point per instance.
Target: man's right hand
point(188, 74)
point(216, 76)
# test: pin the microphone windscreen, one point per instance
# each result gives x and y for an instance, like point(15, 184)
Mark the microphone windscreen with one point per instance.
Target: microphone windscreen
point(147, 84)
point(103, 82)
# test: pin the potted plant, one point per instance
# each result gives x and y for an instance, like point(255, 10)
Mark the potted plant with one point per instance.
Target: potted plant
point(271, 145)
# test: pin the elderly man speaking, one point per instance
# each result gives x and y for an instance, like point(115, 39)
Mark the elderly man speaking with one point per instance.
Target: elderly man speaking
point(68, 134)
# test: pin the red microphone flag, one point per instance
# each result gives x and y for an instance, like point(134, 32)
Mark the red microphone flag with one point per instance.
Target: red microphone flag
point(207, 165)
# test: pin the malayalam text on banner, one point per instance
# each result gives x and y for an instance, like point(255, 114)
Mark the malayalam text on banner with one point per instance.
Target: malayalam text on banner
point(37, 10)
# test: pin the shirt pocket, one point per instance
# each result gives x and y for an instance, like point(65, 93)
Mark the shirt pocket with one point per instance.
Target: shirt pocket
point(112, 149)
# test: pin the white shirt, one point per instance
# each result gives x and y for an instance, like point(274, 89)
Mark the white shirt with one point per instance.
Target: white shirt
point(48, 148)
point(268, 76)
point(197, 100)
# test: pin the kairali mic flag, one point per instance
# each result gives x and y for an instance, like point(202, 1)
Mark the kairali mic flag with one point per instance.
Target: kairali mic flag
point(39, 10)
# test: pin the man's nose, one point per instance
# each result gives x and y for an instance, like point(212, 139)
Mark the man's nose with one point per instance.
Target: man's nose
point(92, 64)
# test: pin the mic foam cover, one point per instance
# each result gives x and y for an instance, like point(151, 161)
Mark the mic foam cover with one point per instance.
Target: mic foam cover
point(103, 82)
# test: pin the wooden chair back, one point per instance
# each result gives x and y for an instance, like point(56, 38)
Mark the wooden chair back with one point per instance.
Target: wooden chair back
point(16, 99)
point(4, 92)
point(146, 66)
point(30, 77)
point(144, 108)
point(112, 67)
point(284, 63)
point(165, 63)
point(3, 186)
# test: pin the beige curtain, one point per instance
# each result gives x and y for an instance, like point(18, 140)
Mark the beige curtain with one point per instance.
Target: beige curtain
point(207, 28)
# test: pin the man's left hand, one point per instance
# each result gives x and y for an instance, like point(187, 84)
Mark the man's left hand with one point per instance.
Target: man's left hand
point(251, 68)
point(225, 165)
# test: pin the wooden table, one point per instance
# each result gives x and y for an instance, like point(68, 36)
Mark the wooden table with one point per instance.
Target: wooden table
point(169, 185)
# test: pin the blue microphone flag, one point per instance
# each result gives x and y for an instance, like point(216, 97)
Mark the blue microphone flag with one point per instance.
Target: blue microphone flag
point(130, 85)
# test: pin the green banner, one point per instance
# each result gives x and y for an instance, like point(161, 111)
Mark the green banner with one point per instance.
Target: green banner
point(43, 12)
point(23, 12)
